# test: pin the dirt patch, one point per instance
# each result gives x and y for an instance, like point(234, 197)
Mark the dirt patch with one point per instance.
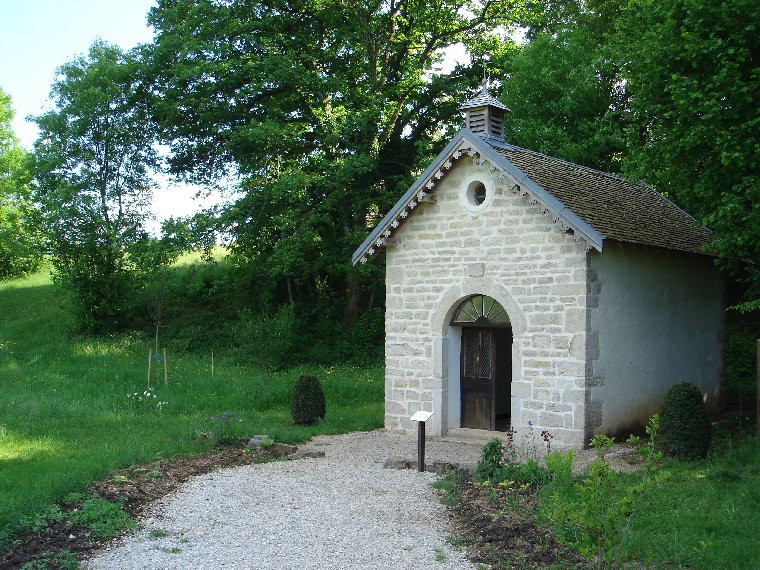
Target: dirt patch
point(497, 527)
point(135, 488)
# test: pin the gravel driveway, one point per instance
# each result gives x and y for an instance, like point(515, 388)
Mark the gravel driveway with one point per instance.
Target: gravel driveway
point(342, 511)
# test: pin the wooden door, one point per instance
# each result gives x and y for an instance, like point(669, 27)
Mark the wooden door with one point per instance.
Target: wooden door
point(478, 373)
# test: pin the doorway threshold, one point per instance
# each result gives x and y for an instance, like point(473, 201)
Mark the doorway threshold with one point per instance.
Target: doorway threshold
point(470, 435)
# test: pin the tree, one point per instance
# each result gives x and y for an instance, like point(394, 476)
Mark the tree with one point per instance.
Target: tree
point(664, 91)
point(94, 159)
point(326, 108)
point(20, 248)
point(563, 87)
point(691, 68)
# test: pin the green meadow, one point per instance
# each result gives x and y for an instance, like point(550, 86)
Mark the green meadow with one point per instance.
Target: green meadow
point(72, 408)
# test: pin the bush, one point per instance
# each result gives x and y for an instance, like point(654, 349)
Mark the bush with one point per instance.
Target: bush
point(308, 403)
point(490, 461)
point(685, 425)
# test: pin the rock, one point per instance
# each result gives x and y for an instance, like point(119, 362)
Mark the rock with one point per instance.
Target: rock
point(399, 463)
point(304, 454)
point(281, 449)
point(438, 467)
point(255, 441)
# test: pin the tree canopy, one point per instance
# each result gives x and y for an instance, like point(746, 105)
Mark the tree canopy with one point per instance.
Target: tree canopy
point(323, 111)
point(20, 248)
point(94, 159)
point(692, 70)
point(663, 91)
point(325, 108)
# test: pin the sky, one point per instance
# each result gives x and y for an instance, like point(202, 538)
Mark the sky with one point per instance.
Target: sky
point(37, 36)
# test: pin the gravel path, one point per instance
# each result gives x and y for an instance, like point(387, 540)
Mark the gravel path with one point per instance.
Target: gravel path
point(341, 511)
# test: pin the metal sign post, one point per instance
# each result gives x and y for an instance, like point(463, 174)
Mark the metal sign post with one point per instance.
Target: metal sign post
point(421, 417)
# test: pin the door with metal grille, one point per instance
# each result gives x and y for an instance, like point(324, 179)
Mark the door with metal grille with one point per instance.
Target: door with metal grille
point(478, 373)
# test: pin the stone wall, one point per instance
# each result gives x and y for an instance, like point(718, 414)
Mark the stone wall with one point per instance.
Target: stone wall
point(505, 248)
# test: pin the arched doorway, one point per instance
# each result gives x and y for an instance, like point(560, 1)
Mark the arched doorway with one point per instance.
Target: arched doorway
point(485, 363)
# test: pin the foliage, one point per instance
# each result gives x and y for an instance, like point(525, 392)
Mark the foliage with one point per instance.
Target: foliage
point(102, 518)
point(664, 91)
point(564, 93)
point(690, 67)
point(94, 160)
point(222, 429)
point(451, 484)
point(20, 248)
point(560, 466)
point(498, 465)
point(61, 560)
point(696, 519)
point(741, 366)
point(686, 429)
point(308, 403)
point(325, 108)
point(490, 460)
point(269, 340)
point(211, 302)
point(529, 472)
point(594, 514)
point(649, 452)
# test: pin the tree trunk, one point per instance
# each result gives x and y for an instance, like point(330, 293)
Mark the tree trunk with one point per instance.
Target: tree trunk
point(353, 298)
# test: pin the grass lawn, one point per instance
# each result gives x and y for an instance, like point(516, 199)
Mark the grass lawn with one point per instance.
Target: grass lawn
point(707, 515)
point(72, 408)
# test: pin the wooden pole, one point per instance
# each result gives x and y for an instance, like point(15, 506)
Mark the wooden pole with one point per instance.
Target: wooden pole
point(166, 379)
point(150, 357)
point(758, 390)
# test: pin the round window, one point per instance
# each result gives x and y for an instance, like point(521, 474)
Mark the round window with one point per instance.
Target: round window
point(476, 195)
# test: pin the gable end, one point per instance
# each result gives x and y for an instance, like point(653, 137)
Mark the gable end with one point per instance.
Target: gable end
point(465, 142)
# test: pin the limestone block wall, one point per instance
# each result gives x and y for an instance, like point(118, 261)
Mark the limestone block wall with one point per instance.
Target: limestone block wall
point(505, 248)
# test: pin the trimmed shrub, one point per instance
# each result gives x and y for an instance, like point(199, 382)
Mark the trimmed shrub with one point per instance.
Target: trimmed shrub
point(685, 425)
point(308, 402)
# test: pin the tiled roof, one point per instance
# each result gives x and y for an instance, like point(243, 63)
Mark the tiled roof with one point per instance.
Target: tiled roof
point(596, 205)
point(483, 99)
point(617, 208)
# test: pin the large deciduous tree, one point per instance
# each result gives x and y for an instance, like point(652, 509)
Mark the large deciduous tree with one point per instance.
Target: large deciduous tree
point(692, 69)
point(20, 247)
point(94, 159)
point(563, 86)
point(660, 90)
point(326, 108)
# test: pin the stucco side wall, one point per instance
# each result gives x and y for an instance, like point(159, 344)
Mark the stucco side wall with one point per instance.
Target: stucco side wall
point(511, 251)
point(659, 320)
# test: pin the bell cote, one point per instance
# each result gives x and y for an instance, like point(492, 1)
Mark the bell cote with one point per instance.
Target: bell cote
point(484, 115)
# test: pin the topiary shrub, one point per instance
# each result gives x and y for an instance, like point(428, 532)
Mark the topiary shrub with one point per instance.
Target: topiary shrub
point(685, 425)
point(308, 402)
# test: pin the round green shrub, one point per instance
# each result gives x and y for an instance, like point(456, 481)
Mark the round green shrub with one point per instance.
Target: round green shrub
point(685, 425)
point(308, 402)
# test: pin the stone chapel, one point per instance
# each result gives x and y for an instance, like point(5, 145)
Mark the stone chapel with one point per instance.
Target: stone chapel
point(521, 288)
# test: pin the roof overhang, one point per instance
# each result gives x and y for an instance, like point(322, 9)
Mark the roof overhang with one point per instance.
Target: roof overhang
point(467, 143)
